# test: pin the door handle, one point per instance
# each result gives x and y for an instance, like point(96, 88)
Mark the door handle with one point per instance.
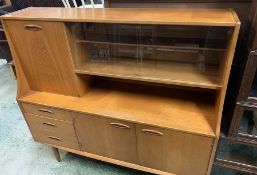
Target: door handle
point(120, 125)
point(54, 138)
point(152, 132)
point(46, 111)
point(49, 124)
point(33, 27)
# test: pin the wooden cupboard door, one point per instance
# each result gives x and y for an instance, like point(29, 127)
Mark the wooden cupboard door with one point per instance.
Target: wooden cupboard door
point(174, 152)
point(43, 52)
point(106, 137)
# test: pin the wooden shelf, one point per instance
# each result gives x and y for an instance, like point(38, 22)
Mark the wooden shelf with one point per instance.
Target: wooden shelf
point(152, 45)
point(174, 73)
point(188, 112)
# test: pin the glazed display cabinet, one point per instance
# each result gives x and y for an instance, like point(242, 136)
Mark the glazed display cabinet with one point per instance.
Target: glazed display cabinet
point(143, 91)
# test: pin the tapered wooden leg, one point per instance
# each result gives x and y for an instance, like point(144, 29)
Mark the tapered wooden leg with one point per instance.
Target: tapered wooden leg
point(57, 154)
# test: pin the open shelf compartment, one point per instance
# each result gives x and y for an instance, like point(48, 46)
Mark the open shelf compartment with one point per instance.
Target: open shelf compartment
point(177, 109)
point(178, 55)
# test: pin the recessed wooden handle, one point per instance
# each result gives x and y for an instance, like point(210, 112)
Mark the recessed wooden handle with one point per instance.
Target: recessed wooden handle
point(152, 132)
point(33, 27)
point(54, 138)
point(46, 111)
point(49, 124)
point(120, 125)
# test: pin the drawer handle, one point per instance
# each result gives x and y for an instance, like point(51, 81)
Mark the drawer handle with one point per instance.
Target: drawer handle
point(54, 138)
point(49, 124)
point(33, 27)
point(46, 111)
point(120, 125)
point(152, 132)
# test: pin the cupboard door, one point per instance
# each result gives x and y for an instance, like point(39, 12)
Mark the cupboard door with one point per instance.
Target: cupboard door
point(106, 137)
point(174, 152)
point(43, 52)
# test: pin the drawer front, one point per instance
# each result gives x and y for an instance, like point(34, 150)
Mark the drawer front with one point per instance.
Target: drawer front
point(172, 151)
point(58, 139)
point(106, 137)
point(47, 111)
point(50, 125)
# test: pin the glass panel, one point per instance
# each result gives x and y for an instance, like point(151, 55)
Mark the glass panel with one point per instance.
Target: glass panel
point(238, 153)
point(248, 125)
point(163, 52)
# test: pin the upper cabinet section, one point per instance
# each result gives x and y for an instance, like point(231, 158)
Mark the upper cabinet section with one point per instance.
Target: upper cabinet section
point(172, 54)
point(184, 47)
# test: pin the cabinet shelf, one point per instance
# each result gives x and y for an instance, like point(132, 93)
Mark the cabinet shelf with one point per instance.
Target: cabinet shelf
point(187, 112)
point(168, 73)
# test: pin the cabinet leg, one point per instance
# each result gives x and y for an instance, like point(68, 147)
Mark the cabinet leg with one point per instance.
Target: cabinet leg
point(57, 154)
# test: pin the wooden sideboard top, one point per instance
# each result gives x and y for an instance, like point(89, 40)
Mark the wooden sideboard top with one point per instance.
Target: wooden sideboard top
point(173, 16)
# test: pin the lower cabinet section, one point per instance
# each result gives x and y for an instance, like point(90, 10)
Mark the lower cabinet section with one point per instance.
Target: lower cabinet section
point(174, 152)
point(157, 148)
point(106, 137)
point(161, 149)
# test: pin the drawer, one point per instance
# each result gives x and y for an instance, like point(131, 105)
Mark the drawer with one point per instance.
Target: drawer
point(57, 139)
point(172, 151)
point(47, 111)
point(50, 125)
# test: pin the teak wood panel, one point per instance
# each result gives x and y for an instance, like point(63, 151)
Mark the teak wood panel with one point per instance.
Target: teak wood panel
point(174, 152)
point(43, 53)
point(106, 137)
point(175, 16)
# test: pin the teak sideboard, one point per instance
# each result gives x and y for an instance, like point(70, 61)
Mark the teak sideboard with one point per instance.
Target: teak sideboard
point(140, 88)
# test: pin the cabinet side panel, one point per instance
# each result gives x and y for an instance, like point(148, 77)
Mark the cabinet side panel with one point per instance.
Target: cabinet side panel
point(43, 53)
point(220, 98)
point(23, 86)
